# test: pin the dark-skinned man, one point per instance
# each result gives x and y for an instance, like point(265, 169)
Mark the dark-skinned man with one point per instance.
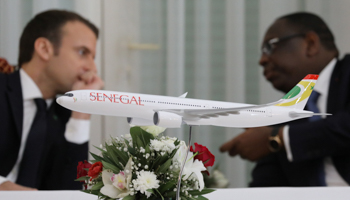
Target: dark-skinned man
point(304, 152)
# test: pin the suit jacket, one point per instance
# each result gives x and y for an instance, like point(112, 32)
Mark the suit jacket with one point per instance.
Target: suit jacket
point(49, 161)
point(311, 142)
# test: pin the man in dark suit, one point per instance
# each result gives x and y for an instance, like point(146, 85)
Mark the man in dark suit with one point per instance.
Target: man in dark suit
point(41, 142)
point(308, 152)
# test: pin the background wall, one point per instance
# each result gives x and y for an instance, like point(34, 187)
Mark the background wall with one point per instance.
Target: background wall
point(207, 48)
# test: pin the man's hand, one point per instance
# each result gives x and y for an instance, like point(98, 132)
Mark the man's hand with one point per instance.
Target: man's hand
point(89, 80)
point(8, 185)
point(252, 144)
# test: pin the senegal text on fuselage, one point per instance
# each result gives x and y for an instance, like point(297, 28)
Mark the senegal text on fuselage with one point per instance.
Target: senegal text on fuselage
point(115, 98)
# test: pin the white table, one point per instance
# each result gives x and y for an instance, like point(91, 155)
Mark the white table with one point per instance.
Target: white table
point(317, 193)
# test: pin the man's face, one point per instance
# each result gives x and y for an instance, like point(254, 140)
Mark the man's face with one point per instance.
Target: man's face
point(285, 66)
point(75, 56)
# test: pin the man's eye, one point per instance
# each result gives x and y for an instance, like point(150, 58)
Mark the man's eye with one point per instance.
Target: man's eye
point(82, 52)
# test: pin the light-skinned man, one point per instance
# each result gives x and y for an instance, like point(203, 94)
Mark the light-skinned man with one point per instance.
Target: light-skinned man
point(57, 51)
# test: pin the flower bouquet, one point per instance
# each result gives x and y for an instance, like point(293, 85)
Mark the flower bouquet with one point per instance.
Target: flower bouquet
point(142, 165)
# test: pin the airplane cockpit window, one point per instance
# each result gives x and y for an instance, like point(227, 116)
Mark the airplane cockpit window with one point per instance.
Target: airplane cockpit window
point(69, 94)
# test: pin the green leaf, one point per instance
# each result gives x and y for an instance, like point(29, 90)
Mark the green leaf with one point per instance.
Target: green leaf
point(140, 143)
point(114, 156)
point(197, 192)
point(129, 197)
point(113, 141)
point(123, 156)
point(159, 194)
point(95, 192)
point(177, 142)
point(143, 136)
point(99, 148)
point(167, 186)
point(106, 157)
point(170, 194)
point(97, 186)
point(159, 161)
point(201, 198)
point(96, 157)
point(83, 178)
point(147, 149)
point(150, 191)
point(132, 151)
point(111, 167)
point(172, 154)
point(164, 167)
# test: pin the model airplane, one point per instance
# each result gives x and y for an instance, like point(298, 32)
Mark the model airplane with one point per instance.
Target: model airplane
point(172, 112)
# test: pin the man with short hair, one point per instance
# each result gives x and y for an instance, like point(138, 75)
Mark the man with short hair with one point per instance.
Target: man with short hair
point(307, 152)
point(41, 142)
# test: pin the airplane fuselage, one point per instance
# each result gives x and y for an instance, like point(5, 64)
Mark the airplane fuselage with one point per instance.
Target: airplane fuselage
point(144, 107)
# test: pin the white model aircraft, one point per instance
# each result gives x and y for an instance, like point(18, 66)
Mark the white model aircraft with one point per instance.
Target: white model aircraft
point(172, 112)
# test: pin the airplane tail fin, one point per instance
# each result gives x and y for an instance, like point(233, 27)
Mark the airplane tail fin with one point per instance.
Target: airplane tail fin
point(298, 96)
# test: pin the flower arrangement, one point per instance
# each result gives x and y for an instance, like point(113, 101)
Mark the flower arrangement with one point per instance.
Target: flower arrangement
point(145, 165)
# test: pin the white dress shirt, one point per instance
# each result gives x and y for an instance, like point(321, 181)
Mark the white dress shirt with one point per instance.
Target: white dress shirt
point(77, 130)
point(322, 86)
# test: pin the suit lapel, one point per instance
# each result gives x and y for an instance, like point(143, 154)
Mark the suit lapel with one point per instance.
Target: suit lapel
point(338, 100)
point(339, 86)
point(14, 94)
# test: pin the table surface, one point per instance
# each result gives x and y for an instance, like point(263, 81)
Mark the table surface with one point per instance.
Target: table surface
point(283, 193)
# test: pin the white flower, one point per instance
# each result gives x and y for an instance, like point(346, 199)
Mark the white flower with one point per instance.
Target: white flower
point(146, 180)
point(117, 185)
point(220, 180)
point(193, 168)
point(156, 145)
point(169, 145)
point(180, 153)
point(127, 137)
point(154, 130)
point(166, 145)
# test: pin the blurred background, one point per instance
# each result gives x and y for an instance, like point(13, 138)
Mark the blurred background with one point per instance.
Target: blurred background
point(208, 48)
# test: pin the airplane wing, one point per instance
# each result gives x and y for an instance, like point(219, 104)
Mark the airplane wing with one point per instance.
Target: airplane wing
point(208, 113)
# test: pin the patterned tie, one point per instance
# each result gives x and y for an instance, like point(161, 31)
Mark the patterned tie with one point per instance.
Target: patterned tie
point(29, 167)
point(312, 106)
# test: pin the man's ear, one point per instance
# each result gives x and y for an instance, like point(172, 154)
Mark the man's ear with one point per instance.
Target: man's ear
point(313, 43)
point(44, 48)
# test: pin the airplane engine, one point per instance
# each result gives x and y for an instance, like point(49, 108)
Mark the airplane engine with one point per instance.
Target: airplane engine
point(139, 121)
point(167, 120)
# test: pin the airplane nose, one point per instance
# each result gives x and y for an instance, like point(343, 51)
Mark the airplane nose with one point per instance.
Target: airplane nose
point(59, 100)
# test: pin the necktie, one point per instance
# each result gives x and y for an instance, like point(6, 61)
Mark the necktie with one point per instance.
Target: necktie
point(29, 167)
point(312, 105)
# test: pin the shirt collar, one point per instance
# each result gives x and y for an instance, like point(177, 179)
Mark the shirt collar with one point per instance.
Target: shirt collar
point(324, 78)
point(29, 89)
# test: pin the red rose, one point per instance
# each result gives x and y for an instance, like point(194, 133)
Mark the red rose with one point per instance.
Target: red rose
point(81, 169)
point(203, 155)
point(95, 169)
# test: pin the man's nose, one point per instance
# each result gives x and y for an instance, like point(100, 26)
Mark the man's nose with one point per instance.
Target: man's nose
point(264, 59)
point(91, 65)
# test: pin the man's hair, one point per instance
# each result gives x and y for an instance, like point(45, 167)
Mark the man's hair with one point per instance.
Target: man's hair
point(304, 22)
point(49, 25)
